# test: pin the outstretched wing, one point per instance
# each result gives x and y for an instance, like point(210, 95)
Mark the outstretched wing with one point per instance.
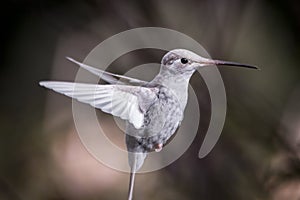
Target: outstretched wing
point(107, 76)
point(126, 102)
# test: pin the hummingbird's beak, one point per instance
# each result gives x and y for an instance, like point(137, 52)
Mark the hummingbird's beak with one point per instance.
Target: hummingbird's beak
point(228, 63)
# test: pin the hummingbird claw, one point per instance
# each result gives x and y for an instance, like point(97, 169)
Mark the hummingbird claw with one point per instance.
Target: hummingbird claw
point(158, 147)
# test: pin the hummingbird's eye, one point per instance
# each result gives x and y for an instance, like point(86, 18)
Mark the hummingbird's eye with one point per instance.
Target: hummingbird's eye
point(184, 60)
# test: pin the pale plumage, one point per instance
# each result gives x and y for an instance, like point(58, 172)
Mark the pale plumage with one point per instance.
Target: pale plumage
point(153, 110)
point(126, 102)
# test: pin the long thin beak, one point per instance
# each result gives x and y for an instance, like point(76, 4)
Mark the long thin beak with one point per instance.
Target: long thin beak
point(228, 63)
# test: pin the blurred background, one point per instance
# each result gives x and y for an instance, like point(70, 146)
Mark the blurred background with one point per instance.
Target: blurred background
point(258, 154)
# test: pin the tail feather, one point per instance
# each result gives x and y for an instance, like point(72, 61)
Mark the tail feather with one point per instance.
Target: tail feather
point(136, 161)
point(131, 185)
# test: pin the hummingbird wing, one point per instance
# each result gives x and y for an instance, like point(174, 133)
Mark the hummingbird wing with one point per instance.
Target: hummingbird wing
point(107, 76)
point(124, 101)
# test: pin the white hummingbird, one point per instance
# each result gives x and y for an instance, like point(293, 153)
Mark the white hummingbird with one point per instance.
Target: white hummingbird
point(153, 110)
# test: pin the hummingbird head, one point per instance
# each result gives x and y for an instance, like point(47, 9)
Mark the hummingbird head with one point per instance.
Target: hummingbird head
point(181, 61)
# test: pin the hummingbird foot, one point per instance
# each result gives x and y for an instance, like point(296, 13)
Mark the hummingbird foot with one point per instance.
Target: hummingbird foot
point(158, 147)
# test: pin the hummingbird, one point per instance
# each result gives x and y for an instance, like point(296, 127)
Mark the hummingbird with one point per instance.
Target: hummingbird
point(153, 110)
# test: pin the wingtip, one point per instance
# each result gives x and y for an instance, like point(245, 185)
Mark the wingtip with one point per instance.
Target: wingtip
point(45, 83)
point(73, 60)
point(42, 83)
point(69, 58)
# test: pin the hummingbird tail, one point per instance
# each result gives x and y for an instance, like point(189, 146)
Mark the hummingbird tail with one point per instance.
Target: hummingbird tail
point(131, 185)
point(136, 160)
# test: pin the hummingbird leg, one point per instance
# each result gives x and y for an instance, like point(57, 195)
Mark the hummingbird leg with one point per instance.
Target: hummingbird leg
point(158, 147)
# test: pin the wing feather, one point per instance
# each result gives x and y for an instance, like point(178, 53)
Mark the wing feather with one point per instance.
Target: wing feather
point(119, 100)
point(107, 76)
